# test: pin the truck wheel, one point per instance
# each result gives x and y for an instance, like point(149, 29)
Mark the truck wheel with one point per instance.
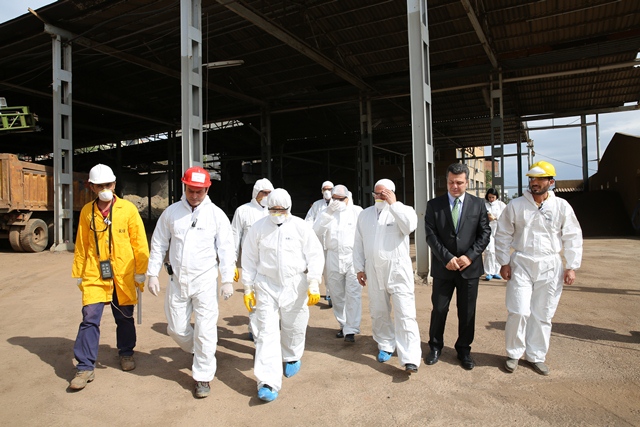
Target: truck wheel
point(14, 238)
point(35, 236)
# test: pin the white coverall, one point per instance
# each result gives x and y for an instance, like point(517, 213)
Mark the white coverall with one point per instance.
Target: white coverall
point(315, 210)
point(537, 235)
point(381, 251)
point(244, 217)
point(274, 259)
point(337, 231)
point(195, 239)
point(491, 265)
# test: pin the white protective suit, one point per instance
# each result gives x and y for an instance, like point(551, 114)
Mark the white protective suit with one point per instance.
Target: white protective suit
point(195, 241)
point(491, 265)
point(274, 261)
point(246, 215)
point(381, 251)
point(337, 231)
point(243, 218)
point(537, 235)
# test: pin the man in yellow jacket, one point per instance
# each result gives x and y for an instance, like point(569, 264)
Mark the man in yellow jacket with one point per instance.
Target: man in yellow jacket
point(111, 256)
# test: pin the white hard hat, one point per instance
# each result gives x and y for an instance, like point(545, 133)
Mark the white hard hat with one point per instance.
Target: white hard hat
point(101, 174)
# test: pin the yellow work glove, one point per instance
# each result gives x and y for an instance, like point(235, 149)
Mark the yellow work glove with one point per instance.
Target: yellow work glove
point(236, 275)
point(249, 298)
point(313, 292)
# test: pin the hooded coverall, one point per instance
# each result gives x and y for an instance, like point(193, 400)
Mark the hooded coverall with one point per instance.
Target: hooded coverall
point(274, 259)
point(491, 265)
point(196, 238)
point(537, 235)
point(337, 231)
point(244, 217)
point(381, 251)
point(129, 255)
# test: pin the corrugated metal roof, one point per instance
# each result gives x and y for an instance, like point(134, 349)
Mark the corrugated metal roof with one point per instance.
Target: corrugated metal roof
point(116, 96)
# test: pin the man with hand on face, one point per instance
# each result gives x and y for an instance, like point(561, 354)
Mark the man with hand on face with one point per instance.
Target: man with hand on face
point(110, 258)
point(197, 233)
point(538, 226)
point(275, 255)
point(244, 217)
point(457, 229)
point(336, 226)
point(383, 264)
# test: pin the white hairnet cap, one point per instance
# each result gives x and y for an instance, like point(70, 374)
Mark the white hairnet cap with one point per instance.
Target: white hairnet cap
point(340, 190)
point(279, 197)
point(327, 184)
point(387, 183)
point(261, 184)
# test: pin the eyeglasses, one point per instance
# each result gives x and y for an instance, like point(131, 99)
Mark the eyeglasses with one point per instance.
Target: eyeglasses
point(374, 194)
point(341, 199)
point(279, 210)
point(546, 214)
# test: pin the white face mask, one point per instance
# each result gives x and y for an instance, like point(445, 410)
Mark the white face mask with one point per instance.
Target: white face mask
point(105, 195)
point(326, 194)
point(263, 202)
point(380, 204)
point(277, 218)
point(341, 206)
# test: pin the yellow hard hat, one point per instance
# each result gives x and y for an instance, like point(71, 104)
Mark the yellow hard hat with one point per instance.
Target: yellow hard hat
point(542, 169)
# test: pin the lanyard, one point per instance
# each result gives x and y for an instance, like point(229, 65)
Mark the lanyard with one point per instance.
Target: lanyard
point(107, 221)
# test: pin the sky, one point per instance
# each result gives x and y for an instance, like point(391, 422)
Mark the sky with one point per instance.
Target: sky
point(561, 147)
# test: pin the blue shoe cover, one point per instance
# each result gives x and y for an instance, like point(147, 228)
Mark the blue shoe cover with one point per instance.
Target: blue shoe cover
point(497, 276)
point(267, 394)
point(291, 368)
point(383, 356)
point(489, 277)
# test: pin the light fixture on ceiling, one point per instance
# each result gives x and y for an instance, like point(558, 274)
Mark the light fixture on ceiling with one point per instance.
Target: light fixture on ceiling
point(223, 64)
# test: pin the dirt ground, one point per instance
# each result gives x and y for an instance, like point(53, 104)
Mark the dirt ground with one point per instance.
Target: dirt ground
point(594, 360)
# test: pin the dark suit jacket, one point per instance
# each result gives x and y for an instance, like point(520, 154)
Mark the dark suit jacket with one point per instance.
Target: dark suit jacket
point(471, 240)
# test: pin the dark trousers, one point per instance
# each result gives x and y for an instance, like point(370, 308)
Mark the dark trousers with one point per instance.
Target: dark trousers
point(88, 340)
point(466, 295)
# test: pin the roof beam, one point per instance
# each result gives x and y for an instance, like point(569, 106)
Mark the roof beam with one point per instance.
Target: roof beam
point(476, 26)
point(107, 50)
point(293, 41)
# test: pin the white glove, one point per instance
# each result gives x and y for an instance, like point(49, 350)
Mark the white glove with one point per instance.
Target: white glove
point(226, 290)
point(333, 206)
point(139, 278)
point(314, 287)
point(78, 281)
point(154, 285)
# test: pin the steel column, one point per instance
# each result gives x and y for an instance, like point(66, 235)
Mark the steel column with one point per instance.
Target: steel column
point(62, 146)
point(421, 129)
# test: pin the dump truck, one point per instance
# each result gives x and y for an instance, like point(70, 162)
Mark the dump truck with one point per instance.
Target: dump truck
point(27, 203)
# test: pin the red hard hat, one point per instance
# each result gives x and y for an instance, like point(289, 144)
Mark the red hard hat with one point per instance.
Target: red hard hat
point(197, 177)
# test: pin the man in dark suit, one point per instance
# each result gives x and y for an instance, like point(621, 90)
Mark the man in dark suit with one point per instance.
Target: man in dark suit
point(457, 232)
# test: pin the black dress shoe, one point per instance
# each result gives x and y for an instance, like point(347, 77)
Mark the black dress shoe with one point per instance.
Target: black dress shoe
point(432, 357)
point(340, 334)
point(350, 338)
point(466, 361)
point(411, 368)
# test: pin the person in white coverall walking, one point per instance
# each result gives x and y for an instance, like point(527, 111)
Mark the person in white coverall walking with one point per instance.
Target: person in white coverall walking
point(494, 210)
point(275, 255)
point(336, 227)
point(197, 233)
point(538, 226)
point(314, 212)
point(244, 217)
point(382, 261)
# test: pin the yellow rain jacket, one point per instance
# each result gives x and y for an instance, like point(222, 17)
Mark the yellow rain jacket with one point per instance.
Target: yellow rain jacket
point(129, 253)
